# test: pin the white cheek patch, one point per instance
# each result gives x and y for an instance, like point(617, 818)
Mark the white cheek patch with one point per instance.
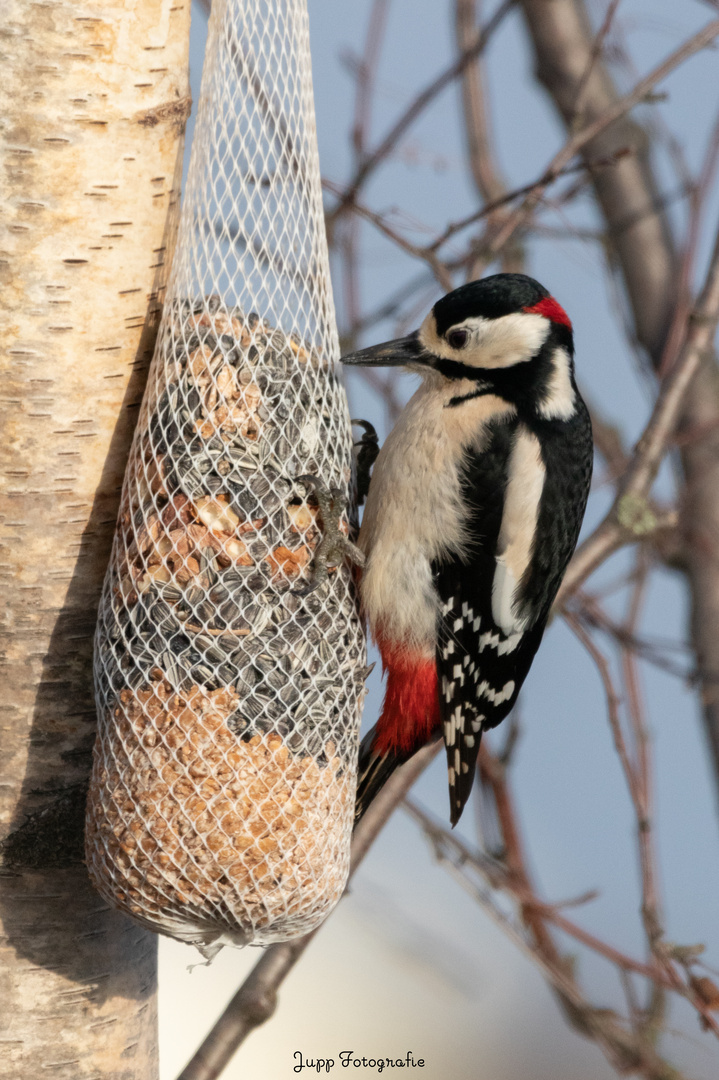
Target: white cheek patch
point(516, 534)
point(494, 343)
point(560, 401)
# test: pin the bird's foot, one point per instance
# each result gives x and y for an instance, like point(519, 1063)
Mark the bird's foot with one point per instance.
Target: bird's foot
point(367, 451)
point(334, 546)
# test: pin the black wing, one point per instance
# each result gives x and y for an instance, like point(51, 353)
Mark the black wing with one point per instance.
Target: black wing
point(481, 667)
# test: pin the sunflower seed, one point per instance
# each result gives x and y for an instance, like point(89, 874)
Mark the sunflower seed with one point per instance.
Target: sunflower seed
point(276, 679)
point(169, 592)
point(326, 653)
point(234, 578)
point(262, 621)
point(241, 458)
point(256, 581)
point(194, 596)
point(204, 613)
point(231, 612)
point(227, 674)
point(289, 694)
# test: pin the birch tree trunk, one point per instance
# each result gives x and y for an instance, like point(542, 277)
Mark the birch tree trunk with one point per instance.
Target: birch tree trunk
point(93, 105)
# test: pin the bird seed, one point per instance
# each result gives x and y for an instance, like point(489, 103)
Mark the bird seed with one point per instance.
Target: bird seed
point(223, 785)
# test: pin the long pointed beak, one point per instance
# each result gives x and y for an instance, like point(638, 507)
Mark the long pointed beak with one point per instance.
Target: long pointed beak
point(401, 351)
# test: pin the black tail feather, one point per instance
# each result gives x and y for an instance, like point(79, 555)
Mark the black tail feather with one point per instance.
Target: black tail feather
point(460, 782)
point(374, 770)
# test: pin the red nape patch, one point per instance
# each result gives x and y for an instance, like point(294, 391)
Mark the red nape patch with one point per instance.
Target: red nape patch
point(551, 310)
point(410, 714)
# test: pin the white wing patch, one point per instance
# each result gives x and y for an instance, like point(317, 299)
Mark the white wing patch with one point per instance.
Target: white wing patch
point(526, 474)
point(503, 589)
point(560, 401)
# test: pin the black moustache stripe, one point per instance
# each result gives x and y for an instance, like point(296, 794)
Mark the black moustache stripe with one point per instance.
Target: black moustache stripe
point(454, 369)
point(485, 388)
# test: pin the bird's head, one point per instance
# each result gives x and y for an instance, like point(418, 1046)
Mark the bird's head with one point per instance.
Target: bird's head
point(504, 333)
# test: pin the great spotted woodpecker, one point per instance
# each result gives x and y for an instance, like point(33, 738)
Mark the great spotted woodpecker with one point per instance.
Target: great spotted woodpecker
point(473, 512)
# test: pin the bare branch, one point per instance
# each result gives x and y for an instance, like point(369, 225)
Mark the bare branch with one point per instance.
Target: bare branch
point(638, 774)
point(698, 193)
point(622, 524)
point(626, 1050)
point(595, 53)
point(602, 666)
point(613, 112)
point(366, 75)
point(563, 43)
point(480, 151)
point(559, 164)
point(428, 252)
point(651, 907)
point(653, 651)
point(438, 268)
point(390, 307)
point(485, 171)
point(496, 875)
point(533, 190)
point(415, 109)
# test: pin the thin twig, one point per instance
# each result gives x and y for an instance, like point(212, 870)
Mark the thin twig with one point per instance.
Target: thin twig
point(428, 252)
point(550, 175)
point(612, 698)
point(626, 1050)
point(651, 650)
point(618, 109)
point(437, 267)
point(481, 156)
point(390, 307)
point(638, 777)
point(651, 909)
point(594, 55)
point(366, 75)
point(415, 109)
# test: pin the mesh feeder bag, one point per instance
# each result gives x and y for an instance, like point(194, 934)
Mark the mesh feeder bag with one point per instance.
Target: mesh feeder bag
point(222, 792)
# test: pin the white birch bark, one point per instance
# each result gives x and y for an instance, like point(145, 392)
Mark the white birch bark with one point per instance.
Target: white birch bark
point(93, 103)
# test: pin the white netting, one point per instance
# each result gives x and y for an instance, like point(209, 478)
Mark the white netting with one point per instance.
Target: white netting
point(222, 793)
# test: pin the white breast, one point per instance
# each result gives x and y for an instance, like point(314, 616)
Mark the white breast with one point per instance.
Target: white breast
point(414, 511)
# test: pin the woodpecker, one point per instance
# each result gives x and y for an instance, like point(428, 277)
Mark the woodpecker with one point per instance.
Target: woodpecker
point(473, 512)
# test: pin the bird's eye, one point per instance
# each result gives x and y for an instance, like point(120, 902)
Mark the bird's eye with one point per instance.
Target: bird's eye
point(457, 338)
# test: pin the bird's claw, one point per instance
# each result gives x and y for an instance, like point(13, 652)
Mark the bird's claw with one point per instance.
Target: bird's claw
point(334, 545)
